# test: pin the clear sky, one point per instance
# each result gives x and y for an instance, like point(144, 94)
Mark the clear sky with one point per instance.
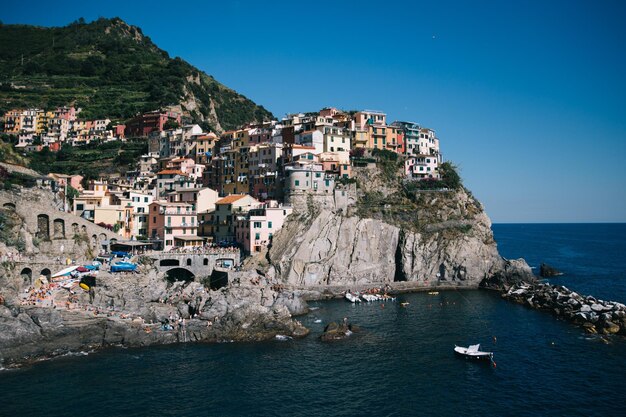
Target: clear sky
point(528, 98)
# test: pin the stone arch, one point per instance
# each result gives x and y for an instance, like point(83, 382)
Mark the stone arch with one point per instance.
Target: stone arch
point(83, 229)
point(75, 228)
point(102, 237)
point(10, 206)
point(205, 261)
point(43, 226)
point(27, 275)
point(169, 262)
point(46, 273)
point(188, 261)
point(180, 274)
point(94, 240)
point(59, 229)
point(113, 241)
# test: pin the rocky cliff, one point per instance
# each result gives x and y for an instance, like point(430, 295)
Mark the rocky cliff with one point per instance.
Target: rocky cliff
point(140, 310)
point(427, 238)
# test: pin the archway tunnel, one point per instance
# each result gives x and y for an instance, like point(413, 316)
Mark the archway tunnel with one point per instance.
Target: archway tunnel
point(46, 273)
point(180, 274)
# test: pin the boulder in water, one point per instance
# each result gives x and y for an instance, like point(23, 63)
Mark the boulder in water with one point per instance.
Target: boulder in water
point(610, 328)
point(334, 331)
point(548, 271)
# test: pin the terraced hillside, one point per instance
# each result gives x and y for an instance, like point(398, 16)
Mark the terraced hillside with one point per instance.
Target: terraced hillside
point(111, 69)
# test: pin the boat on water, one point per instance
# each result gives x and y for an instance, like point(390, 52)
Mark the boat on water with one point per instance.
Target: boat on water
point(353, 298)
point(371, 297)
point(433, 293)
point(472, 352)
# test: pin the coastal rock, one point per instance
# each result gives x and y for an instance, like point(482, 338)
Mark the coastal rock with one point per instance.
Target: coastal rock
point(547, 271)
point(322, 247)
point(334, 331)
point(597, 307)
point(610, 328)
point(245, 313)
point(590, 328)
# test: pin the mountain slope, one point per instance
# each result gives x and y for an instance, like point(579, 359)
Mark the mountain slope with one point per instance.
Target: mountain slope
point(111, 69)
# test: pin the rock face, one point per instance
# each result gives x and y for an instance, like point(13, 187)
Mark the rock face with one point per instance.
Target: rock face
point(335, 250)
point(326, 247)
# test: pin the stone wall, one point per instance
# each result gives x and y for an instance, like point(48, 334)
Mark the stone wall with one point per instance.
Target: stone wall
point(46, 229)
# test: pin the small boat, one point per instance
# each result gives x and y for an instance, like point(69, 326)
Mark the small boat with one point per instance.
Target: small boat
point(283, 337)
point(124, 267)
point(433, 293)
point(352, 297)
point(370, 297)
point(404, 304)
point(473, 353)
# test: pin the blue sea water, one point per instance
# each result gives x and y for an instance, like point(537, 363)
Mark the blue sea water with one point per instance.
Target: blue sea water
point(401, 364)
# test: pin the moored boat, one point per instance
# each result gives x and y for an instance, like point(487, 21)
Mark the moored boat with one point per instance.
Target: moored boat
point(353, 298)
point(473, 352)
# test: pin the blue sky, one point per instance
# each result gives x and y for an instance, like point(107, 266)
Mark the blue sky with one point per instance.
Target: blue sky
point(528, 98)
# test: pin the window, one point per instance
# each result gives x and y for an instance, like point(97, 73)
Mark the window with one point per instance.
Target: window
point(80, 206)
point(154, 220)
point(257, 236)
point(318, 174)
point(297, 183)
point(269, 225)
point(256, 225)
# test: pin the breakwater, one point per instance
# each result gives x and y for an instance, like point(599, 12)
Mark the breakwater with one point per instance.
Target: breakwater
point(594, 315)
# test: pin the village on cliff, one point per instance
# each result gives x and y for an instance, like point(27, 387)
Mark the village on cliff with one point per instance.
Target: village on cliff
point(196, 189)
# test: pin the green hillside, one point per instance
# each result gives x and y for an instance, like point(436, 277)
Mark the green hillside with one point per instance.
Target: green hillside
point(110, 69)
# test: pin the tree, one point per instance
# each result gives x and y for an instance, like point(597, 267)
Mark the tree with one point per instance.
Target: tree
point(449, 175)
point(72, 193)
point(171, 124)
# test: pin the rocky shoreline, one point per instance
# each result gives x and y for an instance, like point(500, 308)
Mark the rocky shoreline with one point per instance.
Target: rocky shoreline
point(143, 310)
point(594, 315)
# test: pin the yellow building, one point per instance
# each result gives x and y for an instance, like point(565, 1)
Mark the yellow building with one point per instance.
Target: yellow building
point(13, 121)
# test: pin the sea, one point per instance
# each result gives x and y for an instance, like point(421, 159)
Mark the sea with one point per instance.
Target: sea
point(400, 364)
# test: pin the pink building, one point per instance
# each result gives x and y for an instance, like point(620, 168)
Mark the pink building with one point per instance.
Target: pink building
point(73, 181)
point(254, 230)
point(174, 224)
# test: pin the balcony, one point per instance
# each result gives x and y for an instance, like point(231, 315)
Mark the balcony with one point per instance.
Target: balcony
point(177, 213)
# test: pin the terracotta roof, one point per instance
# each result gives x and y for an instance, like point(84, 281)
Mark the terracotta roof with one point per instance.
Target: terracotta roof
point(231, 198)
point(171, 172)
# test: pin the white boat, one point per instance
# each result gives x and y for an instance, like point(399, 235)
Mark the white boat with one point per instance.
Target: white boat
point(352, 297)
point(473, 352)
point(65, 272)
point(370, 297)
point(283, 337)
